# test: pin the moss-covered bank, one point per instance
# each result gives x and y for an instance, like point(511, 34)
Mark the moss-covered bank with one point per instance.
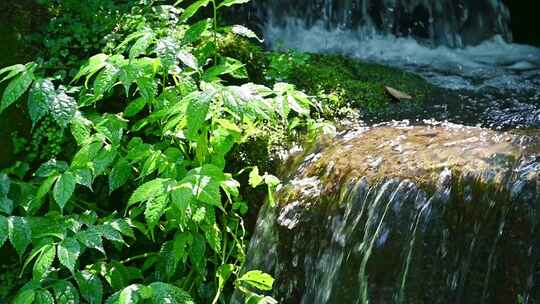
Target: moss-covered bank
point(337, 82)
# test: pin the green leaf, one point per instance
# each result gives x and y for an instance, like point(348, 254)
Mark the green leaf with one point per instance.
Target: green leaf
point(196, 30)
point(65, 293)
point(68, 253)
point(90, 286)
point(86, 155)
point(197, 254)
point(43, 296)
point(192, 9)
point(147, 87)
point(260, 299)
point(80, 128)
point(149, 190)
point(254, 178)
point(64, 188)
point(44, 261)
point(51, 167)
point(232, 2)
point(63, 108)
point(199, 104)
point(167, 293)
point(95, 63)
point(258, 279)
point(26, 297)
point(224, 273)
point(13, 70)
point(188, 59)
point(19, 233)
point(119, 175)
point(105, 80)
point(135, 107)
point(140, 46)
point(134, 294)
point(91, 238)
point(41, 95)
point(212, 234)
point(123, 227)
point(245, 32)
point(16, 89)
point(46, 186)
point(4, 230)
point(155, 208)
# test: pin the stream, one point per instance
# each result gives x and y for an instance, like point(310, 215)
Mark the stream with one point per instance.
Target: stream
point(442, 207)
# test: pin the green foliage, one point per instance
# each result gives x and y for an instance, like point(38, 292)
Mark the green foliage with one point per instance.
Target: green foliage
point(148, 207)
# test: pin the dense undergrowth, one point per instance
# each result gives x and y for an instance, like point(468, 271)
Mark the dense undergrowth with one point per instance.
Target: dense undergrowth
point(125, 192)
point(154, 133)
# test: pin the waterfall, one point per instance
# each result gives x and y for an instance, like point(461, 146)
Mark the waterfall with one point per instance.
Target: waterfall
point(453, 23)
point(438, 213)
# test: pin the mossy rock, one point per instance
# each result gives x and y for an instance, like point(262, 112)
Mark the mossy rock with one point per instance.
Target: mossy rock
point(339, 83)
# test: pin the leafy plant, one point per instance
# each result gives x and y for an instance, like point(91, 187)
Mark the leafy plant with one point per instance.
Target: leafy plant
point(146, 209)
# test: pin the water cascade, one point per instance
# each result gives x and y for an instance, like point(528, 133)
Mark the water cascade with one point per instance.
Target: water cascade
point(437, 213)
point(442, 22)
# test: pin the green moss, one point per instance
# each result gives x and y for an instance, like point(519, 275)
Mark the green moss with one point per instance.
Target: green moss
point(343, 82)
point(337, 82)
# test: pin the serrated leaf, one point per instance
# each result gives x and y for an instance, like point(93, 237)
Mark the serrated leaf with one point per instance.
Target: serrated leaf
point(188, 59)
point(149, 190)
point(232, 2)
point(140, 46)
point(90, 286)
point(50, 167)
point(199, 104)
point(197, 254)
point(258, 279)
point(95, 63)
point(44, 261)
point(147, 87)
point(123, 227)
point(63, 108)
point(245, 32)
point(167, 293)
point(134, 293)
point(155, 208)
point(13, 70)
point(43, 296)
point(212, 233)
point(111, 234)
point(80, 128)
point(196, 30)
point(41, 95)
point(105, 79)
point(16, 88)
point(65, 293)
point(135, 107)
point(25, 297)
point(192, 9)
point(64, 188)
point(119, 175)
point(46, 186)
point(68, 253)
point(19, 233)
point(91, 238)
point(4, 230)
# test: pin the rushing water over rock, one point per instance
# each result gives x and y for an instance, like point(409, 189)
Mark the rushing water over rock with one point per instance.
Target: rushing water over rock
point(456, 44)
point(441, 22)
point(439, 213)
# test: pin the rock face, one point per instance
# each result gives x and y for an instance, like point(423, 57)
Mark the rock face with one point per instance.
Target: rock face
point(439, 213)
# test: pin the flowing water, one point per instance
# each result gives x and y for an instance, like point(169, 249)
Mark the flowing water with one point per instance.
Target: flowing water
point(421, 212)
